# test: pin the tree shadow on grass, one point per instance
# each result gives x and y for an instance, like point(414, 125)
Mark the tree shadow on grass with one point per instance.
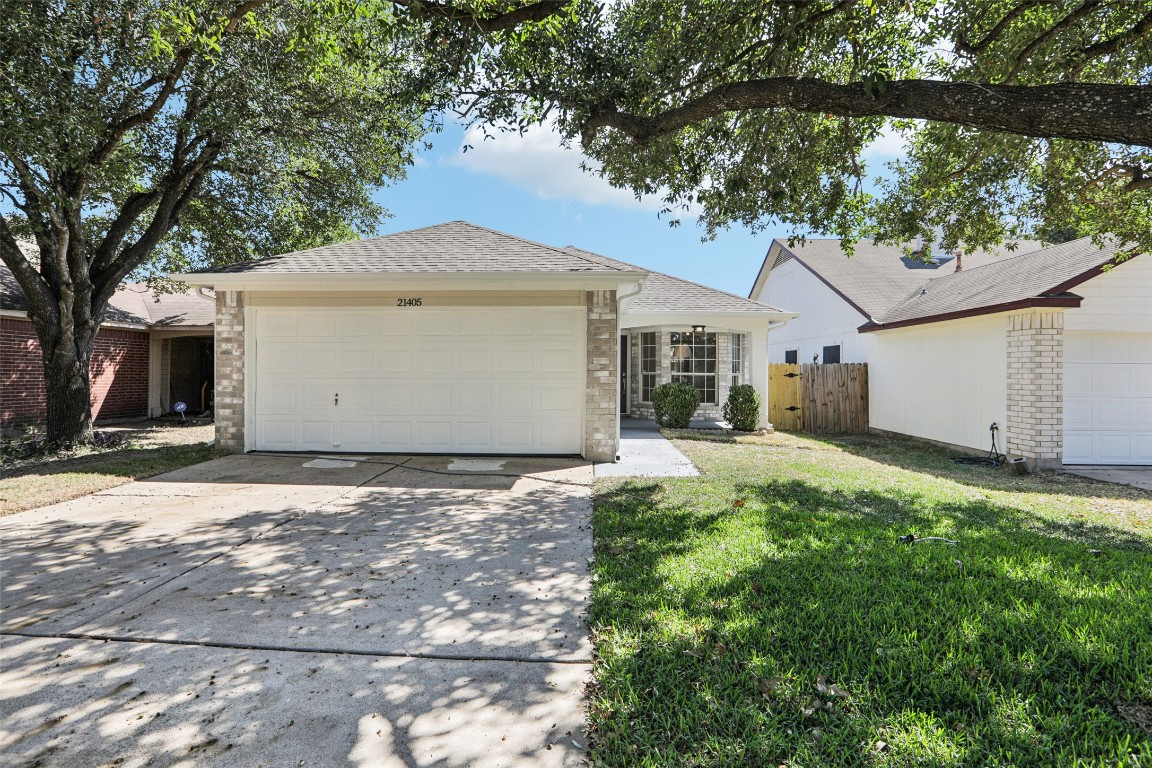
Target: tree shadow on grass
point(933, 460)
point(1015, 646)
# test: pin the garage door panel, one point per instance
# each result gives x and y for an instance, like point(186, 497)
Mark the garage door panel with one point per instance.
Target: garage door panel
point(279, 433)
point(317, 395)
point(316, 434)
point(475, 435)
point(1107, 398)
point(469, 399)
point(274, 325)
point(317, 325)
point(468, 380)
point(431, 399)
point(472, 360)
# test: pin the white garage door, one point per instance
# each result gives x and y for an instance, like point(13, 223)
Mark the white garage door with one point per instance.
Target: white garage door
point(468, 380)
point(1107, 398)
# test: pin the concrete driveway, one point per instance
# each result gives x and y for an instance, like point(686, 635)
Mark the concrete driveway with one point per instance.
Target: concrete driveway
point(274, 610)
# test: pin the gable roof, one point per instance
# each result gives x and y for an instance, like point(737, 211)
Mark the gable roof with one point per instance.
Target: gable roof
point(455, 246)
point(1040, 278)
point(875, 277)
point(132, 304)
point(665, 293)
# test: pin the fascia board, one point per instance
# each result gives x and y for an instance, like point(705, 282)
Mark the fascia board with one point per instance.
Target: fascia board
point(738, 320)
point(359, 281)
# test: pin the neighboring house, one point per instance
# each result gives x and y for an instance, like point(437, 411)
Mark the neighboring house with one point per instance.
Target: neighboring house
point(456, 338)
point(151, 351)
point(1049, 343)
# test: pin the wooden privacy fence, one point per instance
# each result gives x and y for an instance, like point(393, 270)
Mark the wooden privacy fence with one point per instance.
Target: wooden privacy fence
point(822, 399)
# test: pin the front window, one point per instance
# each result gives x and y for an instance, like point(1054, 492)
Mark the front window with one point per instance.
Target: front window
point(649, 366)
point(694, 362)
point(737, 359)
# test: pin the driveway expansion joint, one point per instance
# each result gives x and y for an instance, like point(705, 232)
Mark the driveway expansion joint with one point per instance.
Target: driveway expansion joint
point(289, 649)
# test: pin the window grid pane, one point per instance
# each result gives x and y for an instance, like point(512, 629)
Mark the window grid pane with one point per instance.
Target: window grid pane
point(694, 363)
point(737, 359)
point(649, 365)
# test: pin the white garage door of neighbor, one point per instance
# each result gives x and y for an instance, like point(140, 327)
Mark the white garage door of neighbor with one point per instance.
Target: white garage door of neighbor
point(420, 380)
point(1107, 398)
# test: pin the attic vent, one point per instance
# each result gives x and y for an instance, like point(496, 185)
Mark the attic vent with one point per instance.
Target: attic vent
point(781, 257)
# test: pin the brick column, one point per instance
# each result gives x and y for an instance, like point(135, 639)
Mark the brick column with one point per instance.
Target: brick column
point(601, 388)
point(1035, 428)
point(230, 371)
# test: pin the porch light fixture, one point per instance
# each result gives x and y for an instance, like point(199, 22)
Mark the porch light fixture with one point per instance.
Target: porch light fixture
point(697, 329)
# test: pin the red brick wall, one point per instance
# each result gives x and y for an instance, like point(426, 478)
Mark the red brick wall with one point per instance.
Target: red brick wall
point(119, 371)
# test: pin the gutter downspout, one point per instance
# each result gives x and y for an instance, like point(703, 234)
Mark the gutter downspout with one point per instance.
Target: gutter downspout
point(620, 299)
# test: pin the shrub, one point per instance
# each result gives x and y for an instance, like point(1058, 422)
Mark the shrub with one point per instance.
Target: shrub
point(674, 404)
point(742, 408)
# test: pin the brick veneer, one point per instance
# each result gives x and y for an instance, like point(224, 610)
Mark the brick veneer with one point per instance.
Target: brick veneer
point(118, 370)
point(601, 390)
point(1035, 428)
point(230, 370)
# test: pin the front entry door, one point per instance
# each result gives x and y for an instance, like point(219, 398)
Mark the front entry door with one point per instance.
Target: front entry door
point(624, 373)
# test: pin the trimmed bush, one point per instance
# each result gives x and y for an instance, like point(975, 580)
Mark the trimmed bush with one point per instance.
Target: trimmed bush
point(674, 404)
point(742, 408)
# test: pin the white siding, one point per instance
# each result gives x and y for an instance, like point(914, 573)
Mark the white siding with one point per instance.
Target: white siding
point(1118, 300)
point(825, 318)
point(943, 381)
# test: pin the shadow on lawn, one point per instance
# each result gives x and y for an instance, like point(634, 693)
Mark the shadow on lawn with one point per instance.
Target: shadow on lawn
point(933, 460)
point(1015, 646)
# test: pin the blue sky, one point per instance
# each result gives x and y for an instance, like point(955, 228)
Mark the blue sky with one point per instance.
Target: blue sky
point(531, 187)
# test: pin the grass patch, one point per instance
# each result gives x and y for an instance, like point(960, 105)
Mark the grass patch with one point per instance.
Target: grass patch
point(34, 486)
point(766, 613)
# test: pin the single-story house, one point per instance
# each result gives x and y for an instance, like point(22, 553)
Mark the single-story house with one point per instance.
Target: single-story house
point(152, 350)
point(460, 339)
point(1053, 344)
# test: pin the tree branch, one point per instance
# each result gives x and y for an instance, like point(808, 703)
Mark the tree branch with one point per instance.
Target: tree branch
point(1105, 47)
point(37, 292)
point(963, 46)
point(1074, 16)
point(535, 11)
point(1082, 111)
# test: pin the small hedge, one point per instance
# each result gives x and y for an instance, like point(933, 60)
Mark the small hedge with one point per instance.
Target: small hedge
point(675, 404)
point(742, 408)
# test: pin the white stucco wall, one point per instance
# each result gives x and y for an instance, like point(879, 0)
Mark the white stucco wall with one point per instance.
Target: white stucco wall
point(1117, 300)
point(825, 318)
point(943, 381)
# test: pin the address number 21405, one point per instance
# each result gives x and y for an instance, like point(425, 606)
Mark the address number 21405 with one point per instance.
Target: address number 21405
point(409, 302)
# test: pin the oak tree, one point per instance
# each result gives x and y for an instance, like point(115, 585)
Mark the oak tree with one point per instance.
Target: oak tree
point(144, 136)
point(1018, 116)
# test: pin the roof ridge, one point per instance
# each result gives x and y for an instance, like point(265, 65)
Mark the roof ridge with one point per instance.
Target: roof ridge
point(999, 263)
point(680, 279)
point(537, 243)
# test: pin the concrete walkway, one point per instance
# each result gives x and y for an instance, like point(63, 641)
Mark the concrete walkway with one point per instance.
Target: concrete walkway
point(1139, 477)
point(644, 452)
point(260, 610)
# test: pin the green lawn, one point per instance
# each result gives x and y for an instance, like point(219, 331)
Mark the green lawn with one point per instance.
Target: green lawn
point(767, 614)
point(40, 484)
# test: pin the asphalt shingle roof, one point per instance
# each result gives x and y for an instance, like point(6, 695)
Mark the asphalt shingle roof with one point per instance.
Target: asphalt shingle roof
point(876, 277)
point(665, 293)
point(455, 246)
point(1029, 275)
point(132, 304)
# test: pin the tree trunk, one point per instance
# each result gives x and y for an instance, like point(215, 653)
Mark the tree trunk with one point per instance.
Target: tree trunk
point(67, 386)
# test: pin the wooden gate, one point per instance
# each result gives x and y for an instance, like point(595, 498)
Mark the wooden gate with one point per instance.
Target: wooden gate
point(785, 398)
point(821, 399)
point(835, 397)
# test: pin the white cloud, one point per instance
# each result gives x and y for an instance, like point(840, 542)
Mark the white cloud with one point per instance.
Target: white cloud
point(537, 162)
point(890, 144)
